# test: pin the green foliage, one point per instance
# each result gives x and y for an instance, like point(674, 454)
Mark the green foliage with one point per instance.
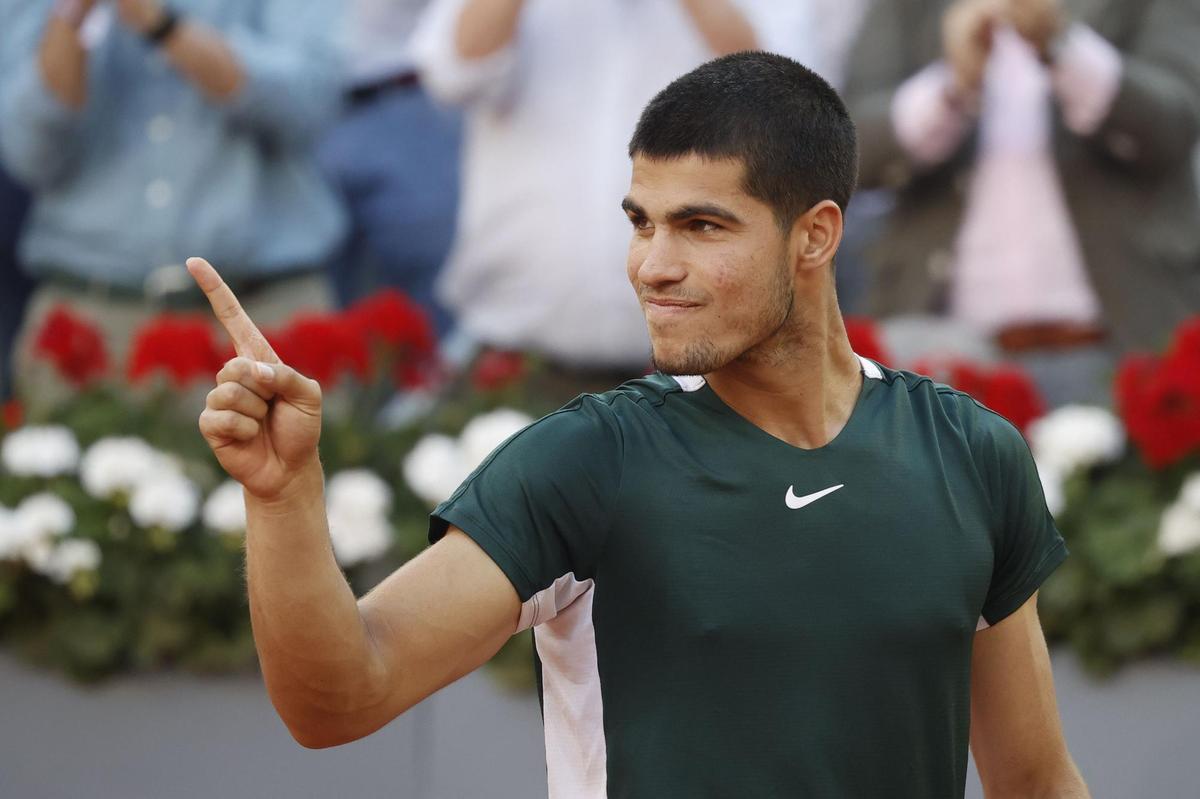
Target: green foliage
point(178, 600)
point(1119, 597)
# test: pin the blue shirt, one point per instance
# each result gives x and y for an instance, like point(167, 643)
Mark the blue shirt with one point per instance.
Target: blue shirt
point(150, 171)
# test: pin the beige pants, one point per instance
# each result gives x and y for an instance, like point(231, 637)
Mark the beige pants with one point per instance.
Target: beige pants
point(38, 384)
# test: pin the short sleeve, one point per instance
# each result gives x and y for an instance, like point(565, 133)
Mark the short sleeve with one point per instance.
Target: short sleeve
point(542, 503)
point(1028, 546)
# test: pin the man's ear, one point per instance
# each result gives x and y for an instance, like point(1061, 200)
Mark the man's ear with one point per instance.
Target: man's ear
point(818, 233)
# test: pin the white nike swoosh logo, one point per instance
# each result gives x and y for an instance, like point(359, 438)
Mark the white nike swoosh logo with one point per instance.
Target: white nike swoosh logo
point(796, 503)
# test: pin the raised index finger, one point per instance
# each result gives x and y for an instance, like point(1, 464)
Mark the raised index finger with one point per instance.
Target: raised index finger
point(248, 340)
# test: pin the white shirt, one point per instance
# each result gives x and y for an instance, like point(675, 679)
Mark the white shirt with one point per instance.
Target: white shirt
point(1017, 258)
point(377, 34)
point(840, 22)
point(539, 261)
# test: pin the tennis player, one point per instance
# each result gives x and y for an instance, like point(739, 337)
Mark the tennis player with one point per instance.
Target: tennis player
point(771, 569)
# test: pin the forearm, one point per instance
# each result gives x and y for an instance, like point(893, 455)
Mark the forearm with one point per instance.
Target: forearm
point(316, 655)
point(205, 60)
point(723, 25)
point(486, 26)
point(62, 60)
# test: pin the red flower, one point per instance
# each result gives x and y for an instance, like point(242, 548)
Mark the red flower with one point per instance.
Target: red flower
point(1008, 390)
point(390, 318)
point(969, 378)
point(1159, 401)
point(1011, 393)
point(323, 347)
point(864, 338)
point(496, 370)
point(73, 344)
point(182, 347)
point(12, 415)
point(399, 331)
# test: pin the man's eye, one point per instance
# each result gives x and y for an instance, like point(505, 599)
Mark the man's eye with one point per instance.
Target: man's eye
point(702, 226)
point(640, 222)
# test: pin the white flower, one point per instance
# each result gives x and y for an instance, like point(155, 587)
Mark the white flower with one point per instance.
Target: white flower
point(225, 509)
point(438, 464)
point(357, 538)
point(15, 535)
point(113, 465)
point(40, 452)
point(1190, 495)
point(487, 431)
point(1077, 437)
point(1179, 530)
point(167, 500)
point(62, 562)
point(359, 493)
point(45, 515)
point(1052, 487)
point(435, 468)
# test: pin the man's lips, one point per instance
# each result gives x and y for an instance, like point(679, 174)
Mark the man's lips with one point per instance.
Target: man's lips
point(663, 309)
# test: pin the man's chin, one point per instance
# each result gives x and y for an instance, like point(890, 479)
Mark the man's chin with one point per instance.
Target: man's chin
point(695, 359)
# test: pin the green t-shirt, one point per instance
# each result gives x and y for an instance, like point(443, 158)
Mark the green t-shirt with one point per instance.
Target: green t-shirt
point(720, 614)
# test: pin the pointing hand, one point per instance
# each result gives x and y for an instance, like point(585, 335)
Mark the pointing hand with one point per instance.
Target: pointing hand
point(263, 420)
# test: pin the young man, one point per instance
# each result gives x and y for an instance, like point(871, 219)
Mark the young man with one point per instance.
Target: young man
point(772, 569)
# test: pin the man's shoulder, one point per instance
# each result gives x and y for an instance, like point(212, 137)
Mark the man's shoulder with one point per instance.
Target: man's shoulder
point(947, 408)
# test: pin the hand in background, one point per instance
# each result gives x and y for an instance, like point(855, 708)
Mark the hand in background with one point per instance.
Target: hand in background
point(140, 16)
point(263, 420)
point(73, 12)
point(967, 31)
point(1038, 21)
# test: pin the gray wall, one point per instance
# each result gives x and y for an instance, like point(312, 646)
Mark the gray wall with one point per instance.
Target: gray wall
point(181, 737)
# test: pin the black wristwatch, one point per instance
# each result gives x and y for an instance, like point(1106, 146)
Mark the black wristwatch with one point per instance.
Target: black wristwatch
point(162, 30)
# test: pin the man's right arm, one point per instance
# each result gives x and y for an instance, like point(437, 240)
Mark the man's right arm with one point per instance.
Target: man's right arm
point(336, 668)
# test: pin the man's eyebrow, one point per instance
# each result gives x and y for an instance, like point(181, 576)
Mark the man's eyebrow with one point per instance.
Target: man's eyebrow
point(686, 212)
point(630, 207)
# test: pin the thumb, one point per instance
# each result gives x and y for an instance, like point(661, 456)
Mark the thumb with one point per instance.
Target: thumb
point(288, 384)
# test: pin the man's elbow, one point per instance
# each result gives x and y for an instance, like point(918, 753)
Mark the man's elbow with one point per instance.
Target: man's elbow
point(327, 731)
point(322, 721)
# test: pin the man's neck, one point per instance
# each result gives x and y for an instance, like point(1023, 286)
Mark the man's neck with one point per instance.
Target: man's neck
point(803, 394)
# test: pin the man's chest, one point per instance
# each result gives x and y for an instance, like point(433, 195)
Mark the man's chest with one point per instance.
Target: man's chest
point(812, 554)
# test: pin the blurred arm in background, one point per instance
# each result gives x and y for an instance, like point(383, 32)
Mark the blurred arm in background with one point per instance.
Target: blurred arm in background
point(465, 48)
point(283, 80)
point(1151, 121)
point(43, 85)
point(1138, 103)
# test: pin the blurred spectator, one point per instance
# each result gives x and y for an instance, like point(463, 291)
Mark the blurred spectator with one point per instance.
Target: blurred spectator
point(552, 89)
point(840, 23)
point(15, 287)
point(1041, 162)
point(151, 132)
point(394, 158)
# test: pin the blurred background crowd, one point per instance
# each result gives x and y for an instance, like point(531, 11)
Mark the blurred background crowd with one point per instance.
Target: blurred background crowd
point(1028, 189)
point(419, 202)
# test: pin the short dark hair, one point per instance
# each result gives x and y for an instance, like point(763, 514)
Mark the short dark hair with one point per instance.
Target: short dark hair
point(788, 126)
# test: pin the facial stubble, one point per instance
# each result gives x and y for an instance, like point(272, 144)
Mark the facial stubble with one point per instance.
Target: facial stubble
point(766, 337)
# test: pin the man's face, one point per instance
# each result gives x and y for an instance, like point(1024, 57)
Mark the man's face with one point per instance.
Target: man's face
point(709, 263)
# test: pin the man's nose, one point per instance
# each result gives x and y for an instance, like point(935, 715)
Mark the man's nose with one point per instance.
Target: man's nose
point(661, 263)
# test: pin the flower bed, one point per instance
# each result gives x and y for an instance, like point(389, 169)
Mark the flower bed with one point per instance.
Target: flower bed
point(121, 540)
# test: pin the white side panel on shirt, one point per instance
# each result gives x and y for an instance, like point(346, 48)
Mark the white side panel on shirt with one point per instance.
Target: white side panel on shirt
point(573, 709)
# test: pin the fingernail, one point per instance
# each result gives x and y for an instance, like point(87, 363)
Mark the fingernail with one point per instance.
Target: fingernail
point(265, 372)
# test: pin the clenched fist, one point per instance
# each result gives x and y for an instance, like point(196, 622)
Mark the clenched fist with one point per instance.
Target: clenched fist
point(263, 420)
point(967, 29)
